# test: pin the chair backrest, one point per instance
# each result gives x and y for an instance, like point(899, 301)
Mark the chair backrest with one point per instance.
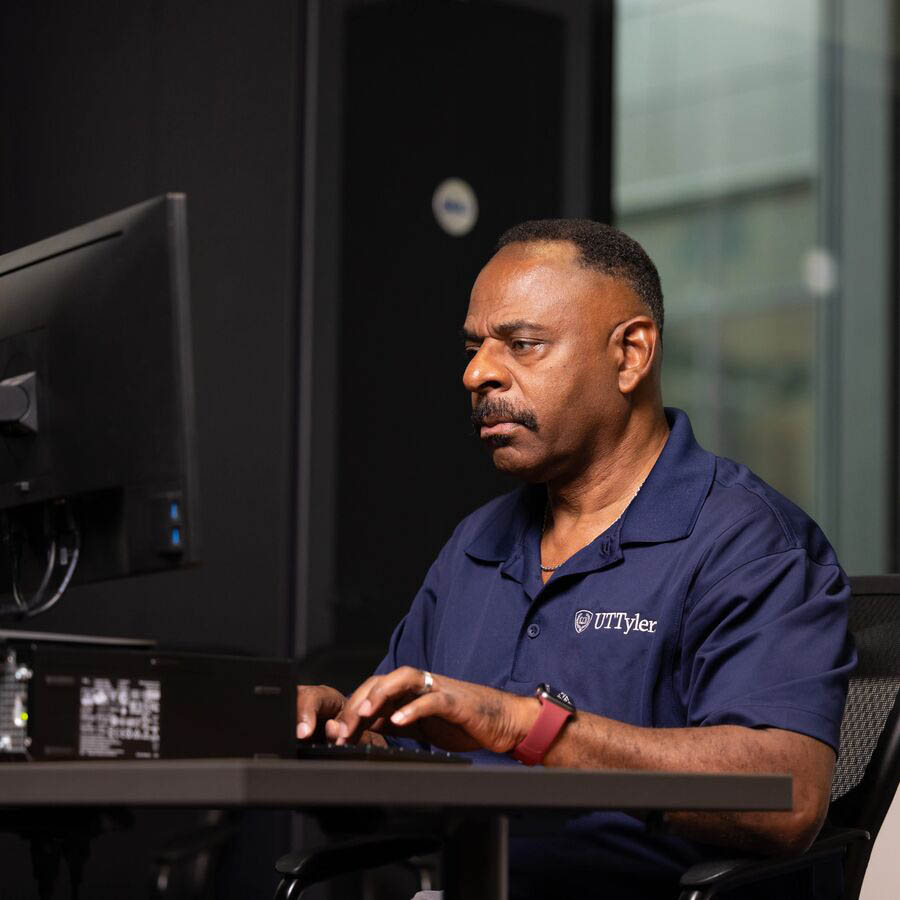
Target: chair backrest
point(868, 766)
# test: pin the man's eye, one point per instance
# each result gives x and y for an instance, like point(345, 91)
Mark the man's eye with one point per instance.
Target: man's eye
point(521, 346)
point(469, 352)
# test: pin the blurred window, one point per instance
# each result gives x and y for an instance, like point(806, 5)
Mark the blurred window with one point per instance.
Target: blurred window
point(748, 135)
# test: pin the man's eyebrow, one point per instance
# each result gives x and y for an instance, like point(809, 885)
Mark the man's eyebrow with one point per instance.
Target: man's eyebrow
point(504, 329)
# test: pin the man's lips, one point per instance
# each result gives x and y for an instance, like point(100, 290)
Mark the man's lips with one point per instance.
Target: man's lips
point(498, 426)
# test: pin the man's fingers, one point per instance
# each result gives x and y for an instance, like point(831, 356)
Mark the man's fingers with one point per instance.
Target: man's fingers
point(420, 708)
point(345, 722)
point(306, 711)
point(372, 737)
point(332, 730)
point(370, 706)
point(398, 683)
point(373, 698)
point(306, 724)
point(315, 703)
point(359, 694)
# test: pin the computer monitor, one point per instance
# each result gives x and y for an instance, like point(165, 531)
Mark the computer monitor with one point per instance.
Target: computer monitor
point(97, 433)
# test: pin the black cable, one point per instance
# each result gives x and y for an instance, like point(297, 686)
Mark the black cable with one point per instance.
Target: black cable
point(27, 607)
point(70, 570)
point(21, 602)
point(12, 538)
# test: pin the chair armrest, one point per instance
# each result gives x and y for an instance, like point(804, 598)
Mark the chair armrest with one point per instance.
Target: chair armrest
point(708, 878)
point(321, 863)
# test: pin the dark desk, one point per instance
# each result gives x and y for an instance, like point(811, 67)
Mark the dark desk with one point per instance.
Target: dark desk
point(481, 795)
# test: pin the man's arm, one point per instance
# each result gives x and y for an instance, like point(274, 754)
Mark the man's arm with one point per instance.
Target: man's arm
point(458, 715)
point(590, 741)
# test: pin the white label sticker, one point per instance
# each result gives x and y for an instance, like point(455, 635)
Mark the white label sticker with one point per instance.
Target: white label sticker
point(119, 718)
point(455, 206)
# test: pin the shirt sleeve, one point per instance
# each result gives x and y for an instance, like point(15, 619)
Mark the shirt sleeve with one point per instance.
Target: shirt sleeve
point(410, 644)
point(766, 645)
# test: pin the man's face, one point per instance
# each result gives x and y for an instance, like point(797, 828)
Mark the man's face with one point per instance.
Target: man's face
point(543, 368)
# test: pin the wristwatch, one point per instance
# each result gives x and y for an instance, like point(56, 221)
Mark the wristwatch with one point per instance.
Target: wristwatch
point(556, 709)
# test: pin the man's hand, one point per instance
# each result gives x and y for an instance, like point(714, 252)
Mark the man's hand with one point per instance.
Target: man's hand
point(316, 704)
point(455, 715)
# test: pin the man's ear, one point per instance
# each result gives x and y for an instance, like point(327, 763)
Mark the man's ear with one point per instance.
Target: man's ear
point(637, 341)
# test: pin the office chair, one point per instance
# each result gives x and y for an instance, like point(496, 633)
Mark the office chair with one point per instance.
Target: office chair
point(868, 765)
point(302, 870)
point(186, 868)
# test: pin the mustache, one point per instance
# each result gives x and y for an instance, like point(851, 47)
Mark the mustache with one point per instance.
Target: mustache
point(499, 408)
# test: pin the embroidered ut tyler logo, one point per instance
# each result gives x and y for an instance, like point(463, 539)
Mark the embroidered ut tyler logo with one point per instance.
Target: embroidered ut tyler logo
point(583, 618)
point(613, 621)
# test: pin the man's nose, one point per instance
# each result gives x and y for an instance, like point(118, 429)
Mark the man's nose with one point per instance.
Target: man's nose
point(485, 370)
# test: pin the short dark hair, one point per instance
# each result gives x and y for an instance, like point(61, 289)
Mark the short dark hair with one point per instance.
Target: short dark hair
point(600, 247)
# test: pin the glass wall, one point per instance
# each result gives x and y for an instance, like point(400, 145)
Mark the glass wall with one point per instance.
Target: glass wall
point(739, 165)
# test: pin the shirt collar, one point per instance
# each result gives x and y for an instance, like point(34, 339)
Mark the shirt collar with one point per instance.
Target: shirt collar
point(665, 508)
point(673, 494)
point(505, 531)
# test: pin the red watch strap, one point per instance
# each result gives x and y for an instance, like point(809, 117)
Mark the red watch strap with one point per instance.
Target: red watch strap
point(536, 743)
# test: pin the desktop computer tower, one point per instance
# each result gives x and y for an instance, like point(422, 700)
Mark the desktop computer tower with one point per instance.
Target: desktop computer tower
point(66, 698)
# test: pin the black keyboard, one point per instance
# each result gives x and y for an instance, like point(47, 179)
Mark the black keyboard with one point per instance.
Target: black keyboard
point(371, 753)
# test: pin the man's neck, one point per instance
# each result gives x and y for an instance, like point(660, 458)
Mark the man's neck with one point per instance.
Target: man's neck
point(600, 491)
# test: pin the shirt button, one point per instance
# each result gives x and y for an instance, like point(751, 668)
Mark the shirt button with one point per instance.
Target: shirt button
point(533, 630)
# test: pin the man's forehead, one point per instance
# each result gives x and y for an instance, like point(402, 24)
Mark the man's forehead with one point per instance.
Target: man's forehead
point(543, 278)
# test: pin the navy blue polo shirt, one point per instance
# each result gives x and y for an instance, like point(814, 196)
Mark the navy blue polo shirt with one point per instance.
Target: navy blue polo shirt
point(713, 600)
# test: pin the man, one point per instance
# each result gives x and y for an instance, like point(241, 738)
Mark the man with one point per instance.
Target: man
point(695, 617)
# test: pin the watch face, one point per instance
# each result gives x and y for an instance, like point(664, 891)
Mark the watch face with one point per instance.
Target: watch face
point(560, 698)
